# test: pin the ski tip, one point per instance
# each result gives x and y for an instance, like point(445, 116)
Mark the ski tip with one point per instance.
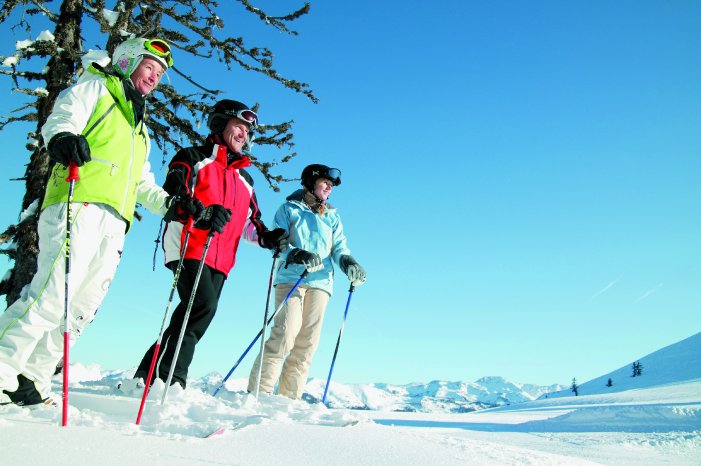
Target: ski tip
point(219, 431)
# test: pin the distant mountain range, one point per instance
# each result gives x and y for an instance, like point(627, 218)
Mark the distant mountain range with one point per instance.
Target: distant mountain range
point(678, 362)
point(436, 396)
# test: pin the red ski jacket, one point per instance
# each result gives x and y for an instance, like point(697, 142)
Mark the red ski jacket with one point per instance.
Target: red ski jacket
point(214, 175)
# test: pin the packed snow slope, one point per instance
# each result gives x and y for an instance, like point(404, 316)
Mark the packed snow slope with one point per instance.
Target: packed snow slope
point(677, 362)
point(655, 424)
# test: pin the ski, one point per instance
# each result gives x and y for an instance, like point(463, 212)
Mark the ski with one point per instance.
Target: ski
point(215, 433)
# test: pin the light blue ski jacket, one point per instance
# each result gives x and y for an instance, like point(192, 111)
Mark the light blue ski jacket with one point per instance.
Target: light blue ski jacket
point(322, 234)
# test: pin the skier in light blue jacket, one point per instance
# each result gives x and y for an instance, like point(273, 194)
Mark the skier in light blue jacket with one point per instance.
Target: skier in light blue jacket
point(317, 241)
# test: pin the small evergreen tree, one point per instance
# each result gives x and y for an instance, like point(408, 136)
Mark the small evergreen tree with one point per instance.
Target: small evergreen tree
point(574, 387)
point(637, 369)
point(609, 383)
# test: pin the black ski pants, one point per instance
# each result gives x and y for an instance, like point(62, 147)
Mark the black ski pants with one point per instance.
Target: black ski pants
point(203, 309)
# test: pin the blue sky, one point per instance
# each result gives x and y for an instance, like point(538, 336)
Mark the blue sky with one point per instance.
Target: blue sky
point(520, 181)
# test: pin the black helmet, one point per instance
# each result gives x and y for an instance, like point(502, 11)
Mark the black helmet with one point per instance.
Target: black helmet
point(226, 109)
point(313, 172)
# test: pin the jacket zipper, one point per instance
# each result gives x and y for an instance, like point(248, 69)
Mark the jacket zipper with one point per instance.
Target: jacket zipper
point(113, 166)
point(129, 168)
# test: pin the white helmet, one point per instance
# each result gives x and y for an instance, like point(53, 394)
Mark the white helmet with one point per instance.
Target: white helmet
point(128, 54)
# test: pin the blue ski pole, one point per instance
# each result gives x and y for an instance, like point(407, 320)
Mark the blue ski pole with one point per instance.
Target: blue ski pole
point(282, 304)
point(338, 343)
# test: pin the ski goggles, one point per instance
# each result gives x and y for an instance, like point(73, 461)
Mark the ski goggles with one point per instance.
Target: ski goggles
point(333, 175)
point(160, 49)
point(246, 115)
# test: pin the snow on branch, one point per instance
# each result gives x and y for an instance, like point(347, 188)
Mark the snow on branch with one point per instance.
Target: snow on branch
point(277, 21)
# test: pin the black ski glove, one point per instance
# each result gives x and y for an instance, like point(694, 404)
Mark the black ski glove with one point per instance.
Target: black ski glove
point(353, 270)
point(181, 208)
point(274, 239)
point(214, 219)
point(310, 260)
point(65, 148)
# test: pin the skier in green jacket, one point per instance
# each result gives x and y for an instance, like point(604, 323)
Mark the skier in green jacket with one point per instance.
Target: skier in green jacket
point(99, 125)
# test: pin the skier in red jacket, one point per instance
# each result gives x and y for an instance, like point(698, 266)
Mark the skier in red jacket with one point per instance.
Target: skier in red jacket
point(214, 175)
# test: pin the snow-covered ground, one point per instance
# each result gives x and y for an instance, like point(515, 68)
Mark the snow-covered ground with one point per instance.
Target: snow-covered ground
point(650, 419)
point(651, 426)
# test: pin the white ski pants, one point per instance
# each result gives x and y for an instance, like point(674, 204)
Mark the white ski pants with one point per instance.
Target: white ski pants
point(31, 329)
point(296, 330)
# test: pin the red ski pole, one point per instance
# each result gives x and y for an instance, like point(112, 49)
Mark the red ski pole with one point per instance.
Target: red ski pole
point(156, 349)
point(72, 178)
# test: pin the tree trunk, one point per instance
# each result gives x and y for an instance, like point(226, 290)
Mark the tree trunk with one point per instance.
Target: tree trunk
point(61, 69)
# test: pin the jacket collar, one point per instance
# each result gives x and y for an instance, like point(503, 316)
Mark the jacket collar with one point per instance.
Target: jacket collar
point(117, 89)
point(224, 156)
point(298, 197)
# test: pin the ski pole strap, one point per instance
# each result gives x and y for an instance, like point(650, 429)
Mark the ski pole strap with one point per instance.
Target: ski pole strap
point(157, 241)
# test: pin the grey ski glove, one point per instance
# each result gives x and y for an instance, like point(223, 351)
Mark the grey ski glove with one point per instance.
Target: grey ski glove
point(353, 270)
point(310, 260)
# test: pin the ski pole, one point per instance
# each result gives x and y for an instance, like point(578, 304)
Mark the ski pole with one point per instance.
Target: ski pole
point(187, 316)
point(338, 342)
point(282, 304)
point(156, 349)
point(71, 179)
point(265, 323)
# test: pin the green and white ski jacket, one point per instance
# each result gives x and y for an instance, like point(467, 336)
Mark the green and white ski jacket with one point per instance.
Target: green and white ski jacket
point(119, 174)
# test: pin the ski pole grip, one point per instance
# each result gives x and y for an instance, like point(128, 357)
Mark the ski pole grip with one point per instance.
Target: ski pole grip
point(352, 288)
point(72, 172)
point(190, 223)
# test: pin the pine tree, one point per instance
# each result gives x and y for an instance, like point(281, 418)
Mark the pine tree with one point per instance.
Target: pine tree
point(574, 387)
point(637, 369)
point(50, 64)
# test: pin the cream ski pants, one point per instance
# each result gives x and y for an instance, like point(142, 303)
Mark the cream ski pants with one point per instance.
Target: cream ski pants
point(31, 329)
point(296, 330)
